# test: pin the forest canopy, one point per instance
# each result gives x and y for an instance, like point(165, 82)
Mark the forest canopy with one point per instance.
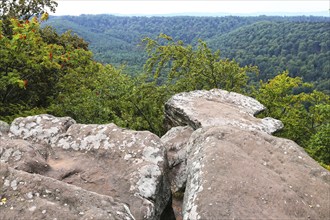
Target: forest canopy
point(299, 44)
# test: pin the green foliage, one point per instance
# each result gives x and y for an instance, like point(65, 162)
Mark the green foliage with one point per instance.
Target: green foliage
point(148, 100)
point(302, 48)
point(185, 68)
point(25, 9)
point(31, 67)
point(306, 116)
point(274, 44)
point(319, 145)
point(24, 60)
point(91, 93)
point(103, 94)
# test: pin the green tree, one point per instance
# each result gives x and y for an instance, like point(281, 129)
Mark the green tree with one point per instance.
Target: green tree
point(25, 9)
point(30, 68)
point(306, 116)
point(319, 145)
point(92, 93)
point(103, 94)
point(185, 68)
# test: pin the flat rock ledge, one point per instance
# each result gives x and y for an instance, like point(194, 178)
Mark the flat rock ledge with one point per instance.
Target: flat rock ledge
point(217, 108)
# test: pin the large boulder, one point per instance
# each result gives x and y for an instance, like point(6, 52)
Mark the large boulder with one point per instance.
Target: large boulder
point(32, 196)
point(217, 108)
point(109, 160)
point(127, 165)
point(240, 174)
point(43, 129)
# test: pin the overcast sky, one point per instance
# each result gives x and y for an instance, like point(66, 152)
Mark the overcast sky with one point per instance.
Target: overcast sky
point(126, 7)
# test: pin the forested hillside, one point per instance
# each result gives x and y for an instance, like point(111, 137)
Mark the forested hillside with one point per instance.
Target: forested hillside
point(303, 48)
point(298, 44)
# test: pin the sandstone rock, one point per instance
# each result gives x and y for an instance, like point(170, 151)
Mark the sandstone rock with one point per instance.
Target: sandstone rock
point(109, 160)
point(175, 141)
point(217, 108)
point(23, 155)
point(234, 173)
point(42, 129)
point(4, 128)
point(32, 196)
point(127, 165)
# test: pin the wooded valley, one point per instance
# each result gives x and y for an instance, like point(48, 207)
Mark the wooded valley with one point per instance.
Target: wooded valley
point(300, 45)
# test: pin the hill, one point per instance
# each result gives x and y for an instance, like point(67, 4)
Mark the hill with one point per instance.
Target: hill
point(299, 44)
point(303, 48)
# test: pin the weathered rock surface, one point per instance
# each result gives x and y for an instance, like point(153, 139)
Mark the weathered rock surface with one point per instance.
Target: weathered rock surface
point(22, 155)
point(126, 165)
point(32, 196)
point(175, 141)
point(239, 174)
point(235, 169)
point(4, 128)
point(217, 108)
point(43, 129)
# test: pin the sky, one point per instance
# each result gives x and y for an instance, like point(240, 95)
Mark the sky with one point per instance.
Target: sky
point(152, 7)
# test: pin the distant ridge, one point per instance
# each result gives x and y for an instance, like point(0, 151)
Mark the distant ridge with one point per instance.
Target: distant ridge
point(223, 14)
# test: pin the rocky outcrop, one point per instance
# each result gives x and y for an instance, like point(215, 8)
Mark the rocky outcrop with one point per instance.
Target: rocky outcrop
point(217, 108)
point(218, 159)
point(128, 166)
point(235, 169)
